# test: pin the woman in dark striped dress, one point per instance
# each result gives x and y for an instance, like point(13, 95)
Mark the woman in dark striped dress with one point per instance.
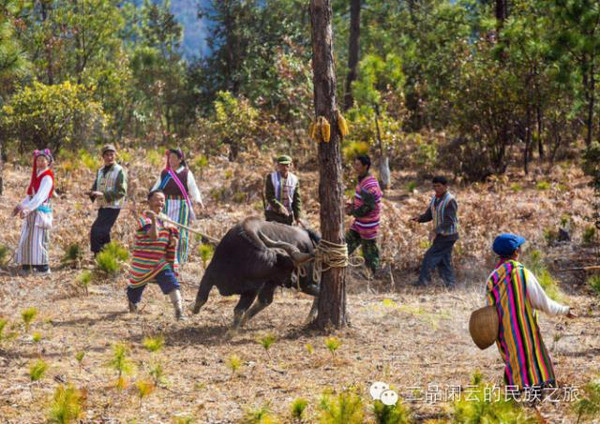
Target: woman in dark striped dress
point(179, 186)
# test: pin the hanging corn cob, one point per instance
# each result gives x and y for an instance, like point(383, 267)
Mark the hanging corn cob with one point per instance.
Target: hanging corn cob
point(320, 130)
point(325, 129)
point(342, 124)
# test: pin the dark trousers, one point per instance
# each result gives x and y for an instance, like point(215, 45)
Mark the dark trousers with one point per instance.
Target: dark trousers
point(369, 249)
point(166, 281)
point(100, 234)
point(439, 255)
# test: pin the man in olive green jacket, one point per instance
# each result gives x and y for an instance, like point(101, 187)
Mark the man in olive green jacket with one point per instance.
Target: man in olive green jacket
point(282, 194)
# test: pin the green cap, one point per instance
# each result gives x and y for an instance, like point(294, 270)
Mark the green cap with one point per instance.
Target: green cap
point(284, 159)
point(108, 148)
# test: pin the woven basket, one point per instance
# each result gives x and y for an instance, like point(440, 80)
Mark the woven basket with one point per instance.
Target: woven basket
point(483, 326)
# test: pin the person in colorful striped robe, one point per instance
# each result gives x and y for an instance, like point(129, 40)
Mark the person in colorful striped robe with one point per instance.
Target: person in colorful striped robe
point(282, 194)
point(442, 211)
point(179, 186)
point(35, 210)
point(365, 208)
point(516, 294)
point(109, 190)
point(154, 256)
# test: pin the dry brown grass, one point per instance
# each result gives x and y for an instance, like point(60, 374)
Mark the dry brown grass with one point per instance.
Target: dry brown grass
point(415, 338)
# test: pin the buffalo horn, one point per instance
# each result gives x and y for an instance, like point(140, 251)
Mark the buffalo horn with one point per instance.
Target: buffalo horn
point(297, 256)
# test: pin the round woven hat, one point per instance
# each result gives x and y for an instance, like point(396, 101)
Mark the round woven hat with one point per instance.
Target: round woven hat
point(483, 326)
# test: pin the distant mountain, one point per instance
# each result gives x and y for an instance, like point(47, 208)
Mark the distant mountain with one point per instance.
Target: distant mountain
point(194, 30)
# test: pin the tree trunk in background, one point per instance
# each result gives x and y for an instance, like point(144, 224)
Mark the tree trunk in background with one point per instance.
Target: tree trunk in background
point(353, 51)
point(1, 170)
point(384, 162)
point(332, 300)
point(501, 12)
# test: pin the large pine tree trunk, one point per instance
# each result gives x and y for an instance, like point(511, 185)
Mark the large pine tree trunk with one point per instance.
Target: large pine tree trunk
point(353, 51)
point(332, 301)
point(501, 11)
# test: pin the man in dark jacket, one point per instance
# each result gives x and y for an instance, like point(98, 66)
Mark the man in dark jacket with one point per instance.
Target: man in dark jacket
point(442, 211)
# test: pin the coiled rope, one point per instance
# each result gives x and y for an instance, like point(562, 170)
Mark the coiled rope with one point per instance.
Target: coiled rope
point(330, 255)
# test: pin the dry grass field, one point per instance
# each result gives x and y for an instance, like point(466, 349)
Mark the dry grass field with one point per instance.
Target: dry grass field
point(413, 339)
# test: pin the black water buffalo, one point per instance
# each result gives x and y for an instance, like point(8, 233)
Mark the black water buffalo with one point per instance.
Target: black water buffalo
point(252, 260)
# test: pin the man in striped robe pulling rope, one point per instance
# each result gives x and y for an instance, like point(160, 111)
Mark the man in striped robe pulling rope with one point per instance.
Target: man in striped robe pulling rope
point(154, 256)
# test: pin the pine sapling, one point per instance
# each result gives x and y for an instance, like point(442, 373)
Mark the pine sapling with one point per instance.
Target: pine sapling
point(266, 342)
point(28, 316)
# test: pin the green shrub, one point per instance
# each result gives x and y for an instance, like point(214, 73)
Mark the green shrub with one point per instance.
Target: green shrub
point(155, 157)
point(73, 255)
point(426, 156)
point(91, 163)
point(157, 373)
point(353, 149)
point(52, 116)
point(28, 315)
point(200, 162)
point(3, 323)
point(550, 285)
point(589, 234)
point(267, 341)
point(111, 257)
point(534, 261)
point(475, 405)
point(4, 252)
point(84, 279)
point(66, 406)
point(121, 363)
point(390, 414)
point(411, 186)
point(550, 235)
point(593, 282)
point(154, 344)
point(516, 187)
point(298, 408)
point(79, 357)
point(345, 408)
point(260, 415)
point(542, 185)
point(332, 344)
point(234, 363)
point(144, 389)
point(588, 406)
point(37, 370)
point(206, 252)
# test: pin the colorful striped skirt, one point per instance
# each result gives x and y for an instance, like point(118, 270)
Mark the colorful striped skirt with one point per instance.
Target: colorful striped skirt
point(177, 209)
point(33, 244)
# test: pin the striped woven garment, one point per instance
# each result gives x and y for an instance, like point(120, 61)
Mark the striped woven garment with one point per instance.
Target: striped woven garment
point(152, 256)
point(367, 226)
point(437, 213)
point(178, 209)
point(519, 340)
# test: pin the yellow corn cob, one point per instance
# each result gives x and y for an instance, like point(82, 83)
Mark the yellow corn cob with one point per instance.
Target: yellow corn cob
point(325, 130)
point(342, 124)
point(312, 132)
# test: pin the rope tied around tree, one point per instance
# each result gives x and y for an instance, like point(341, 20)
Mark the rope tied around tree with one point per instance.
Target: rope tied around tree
point(330, 255)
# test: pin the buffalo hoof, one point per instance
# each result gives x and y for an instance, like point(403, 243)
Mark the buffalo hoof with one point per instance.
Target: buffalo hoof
point(196, 308)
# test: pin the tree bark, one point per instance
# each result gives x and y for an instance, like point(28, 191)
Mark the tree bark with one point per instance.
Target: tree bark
point(332, 299)
point(501, 12)
point(353, 51)
point(591, 105)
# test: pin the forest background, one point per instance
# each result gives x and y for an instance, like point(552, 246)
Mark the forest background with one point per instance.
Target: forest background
point(471, 86)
